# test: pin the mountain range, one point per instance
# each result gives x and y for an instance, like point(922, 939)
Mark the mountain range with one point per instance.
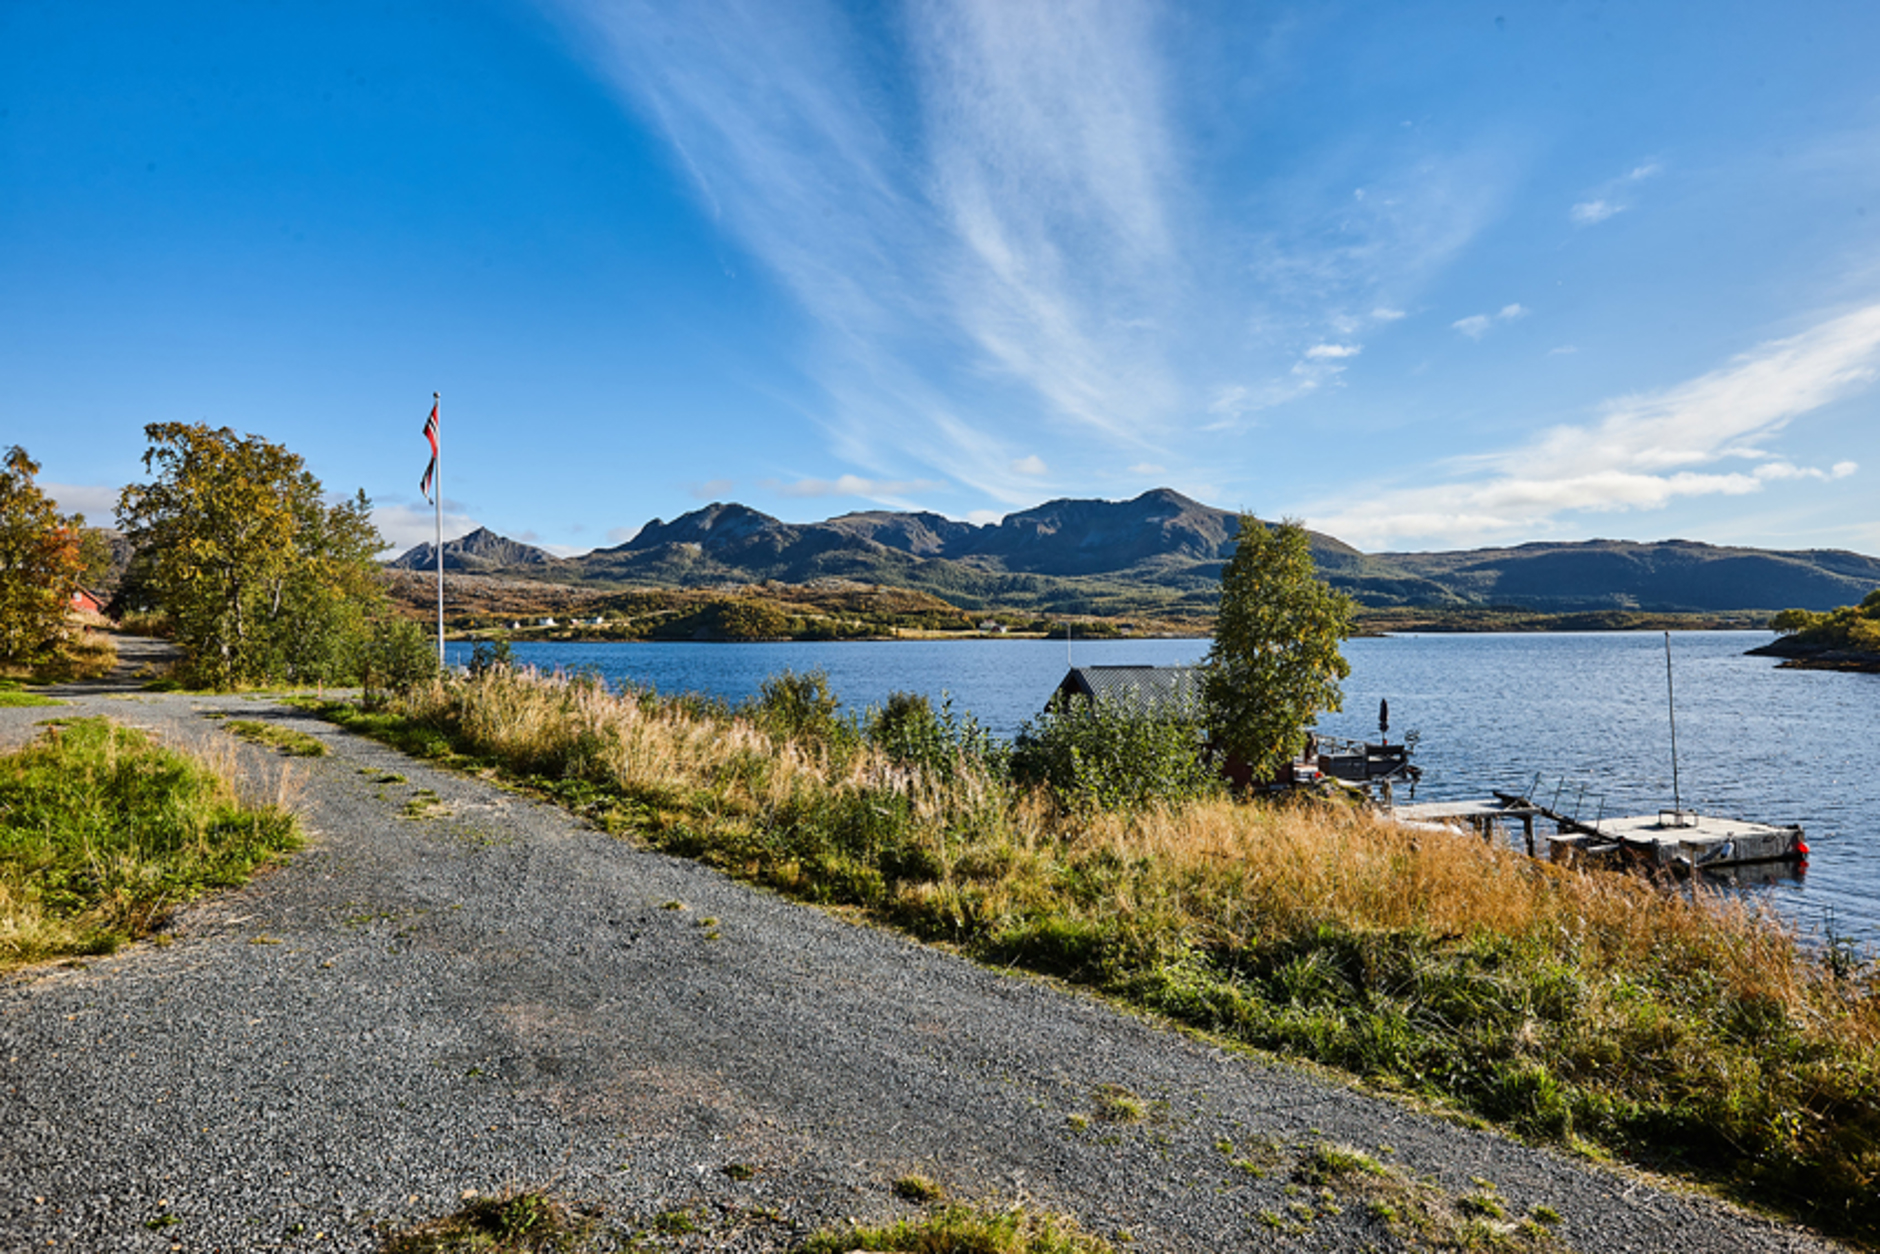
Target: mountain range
point(1162, 551)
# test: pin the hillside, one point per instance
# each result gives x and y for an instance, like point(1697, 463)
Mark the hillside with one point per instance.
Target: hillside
point(1161, 553)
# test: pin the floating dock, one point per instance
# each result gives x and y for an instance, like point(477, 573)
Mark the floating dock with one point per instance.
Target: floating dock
point(1676, 840)
point(1683, 840)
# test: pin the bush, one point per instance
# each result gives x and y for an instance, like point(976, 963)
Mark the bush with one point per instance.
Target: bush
point(1107, 756)
point(803, 707)
point(912, 733)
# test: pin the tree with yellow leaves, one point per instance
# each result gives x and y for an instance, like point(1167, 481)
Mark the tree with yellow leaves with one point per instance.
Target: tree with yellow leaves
point(262, 579)
point(42, 561)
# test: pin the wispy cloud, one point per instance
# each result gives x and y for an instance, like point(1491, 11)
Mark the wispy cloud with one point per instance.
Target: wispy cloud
point(1032, 466)
point(1475, 326)
point(856, 485)
point(1642, 452)
point(1587, 212)
point(998, 221)
point(1613, 197)
point(710, 489)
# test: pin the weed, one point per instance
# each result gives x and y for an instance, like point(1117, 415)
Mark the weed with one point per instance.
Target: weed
point(423, 804)
point(529, 1222)
point(1116, 1104)
point(915, 1188)
point(970, 1230)
point(674, 1223)
point(740, 1171)
point(296, 744)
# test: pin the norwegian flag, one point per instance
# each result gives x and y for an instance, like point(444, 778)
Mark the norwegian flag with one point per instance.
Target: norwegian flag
point(430, 472)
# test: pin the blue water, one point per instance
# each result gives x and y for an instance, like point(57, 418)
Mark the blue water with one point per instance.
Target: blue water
point(1580, 719)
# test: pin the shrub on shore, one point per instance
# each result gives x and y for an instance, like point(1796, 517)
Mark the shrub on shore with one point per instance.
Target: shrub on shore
point(1584, 1007)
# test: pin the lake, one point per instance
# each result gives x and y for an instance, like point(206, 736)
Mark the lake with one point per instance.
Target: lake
point(1579, 718)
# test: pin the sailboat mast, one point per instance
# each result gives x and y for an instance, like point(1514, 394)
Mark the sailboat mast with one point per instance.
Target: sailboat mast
point(1671, 709)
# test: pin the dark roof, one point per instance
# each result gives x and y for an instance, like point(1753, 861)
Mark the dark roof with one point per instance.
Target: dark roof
point(1160, 690)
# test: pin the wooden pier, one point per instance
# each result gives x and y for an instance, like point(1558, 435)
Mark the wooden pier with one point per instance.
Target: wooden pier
point(1676, 840)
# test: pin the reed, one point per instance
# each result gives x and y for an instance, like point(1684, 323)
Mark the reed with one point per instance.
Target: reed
point(1590, 1008)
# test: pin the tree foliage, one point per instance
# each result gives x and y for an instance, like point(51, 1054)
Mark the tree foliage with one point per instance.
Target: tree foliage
point(1275, 662)
point(262, 579)
point(42, 561)
point(1850, 627)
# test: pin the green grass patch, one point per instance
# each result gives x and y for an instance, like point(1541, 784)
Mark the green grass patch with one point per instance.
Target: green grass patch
point(102, 832)
point(12, 694)
point(531, 1222)
point(968, 1230)
point(295, 744)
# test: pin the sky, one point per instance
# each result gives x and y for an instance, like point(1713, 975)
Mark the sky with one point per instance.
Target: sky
point(1424, 275)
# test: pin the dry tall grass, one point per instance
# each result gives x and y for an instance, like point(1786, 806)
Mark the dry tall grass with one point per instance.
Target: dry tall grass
point(1581, 1005)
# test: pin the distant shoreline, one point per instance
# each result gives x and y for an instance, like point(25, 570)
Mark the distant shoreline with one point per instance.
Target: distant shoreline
point(1802, 656)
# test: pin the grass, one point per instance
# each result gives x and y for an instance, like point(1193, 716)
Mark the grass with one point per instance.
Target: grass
point(965, 1230)
point(84, 654)
point(12, 695)
point(1582, 1008)
point(102, 832)
point(1414, 1213)
point(524, 1222)
point(295, 744)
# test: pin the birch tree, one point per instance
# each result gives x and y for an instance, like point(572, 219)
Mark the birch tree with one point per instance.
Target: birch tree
point(1275, 662)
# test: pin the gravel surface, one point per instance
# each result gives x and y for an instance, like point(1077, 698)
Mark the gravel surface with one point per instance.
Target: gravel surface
point(453, 988)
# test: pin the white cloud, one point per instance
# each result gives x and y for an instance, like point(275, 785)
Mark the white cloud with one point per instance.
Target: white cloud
point(1613, 197)
point(1475, 326)
point(1642, 452)
point(1032, 466)
point(1148, 468)
point(97, 503)
point(1588, 212)
point(1783, 470)
point(406, 526)
point(1333, 351)
point(710, 489)
point(1018, 248)
point(984, 516)
point(854, 485)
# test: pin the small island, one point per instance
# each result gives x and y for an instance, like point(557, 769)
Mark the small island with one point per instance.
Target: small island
point(1846, 639)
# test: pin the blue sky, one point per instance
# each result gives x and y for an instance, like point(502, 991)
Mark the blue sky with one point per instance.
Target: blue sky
point(1426, 275)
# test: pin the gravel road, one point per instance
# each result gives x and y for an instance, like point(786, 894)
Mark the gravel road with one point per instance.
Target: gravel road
point(454, 988)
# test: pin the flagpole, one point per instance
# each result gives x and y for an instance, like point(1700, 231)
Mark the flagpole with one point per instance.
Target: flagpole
point(438, 458)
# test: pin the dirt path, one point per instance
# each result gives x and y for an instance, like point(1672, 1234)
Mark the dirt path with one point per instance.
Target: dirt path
point(453, 988)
